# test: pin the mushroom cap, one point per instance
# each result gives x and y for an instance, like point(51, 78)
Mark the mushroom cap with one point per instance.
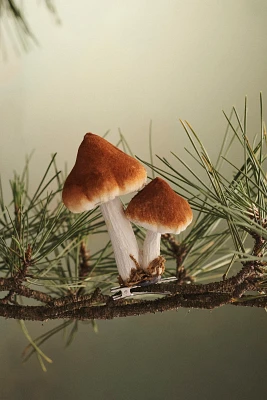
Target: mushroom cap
point(159, 209)
point(101, 173)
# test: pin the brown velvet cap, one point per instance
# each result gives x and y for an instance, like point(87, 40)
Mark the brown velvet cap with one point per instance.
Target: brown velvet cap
point(101, 173)
point(159, 209)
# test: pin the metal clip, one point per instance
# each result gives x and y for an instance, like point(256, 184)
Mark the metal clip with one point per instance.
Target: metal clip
point(121, 292)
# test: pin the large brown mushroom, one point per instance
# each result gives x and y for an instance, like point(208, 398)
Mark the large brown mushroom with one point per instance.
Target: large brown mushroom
point(100, 175)
point(160, 210)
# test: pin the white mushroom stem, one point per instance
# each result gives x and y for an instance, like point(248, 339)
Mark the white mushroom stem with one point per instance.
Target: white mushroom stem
point(151, 248)
point(122, 237)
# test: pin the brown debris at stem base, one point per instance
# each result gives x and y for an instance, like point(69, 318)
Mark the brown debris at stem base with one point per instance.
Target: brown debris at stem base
point(138, 275)
point(157, 266)
point(135, 262)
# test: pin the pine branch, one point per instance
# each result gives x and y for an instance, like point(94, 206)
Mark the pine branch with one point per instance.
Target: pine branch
point(208, 296)
point(82, 310)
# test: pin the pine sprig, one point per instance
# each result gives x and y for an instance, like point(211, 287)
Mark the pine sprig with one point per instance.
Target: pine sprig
point(46, 254)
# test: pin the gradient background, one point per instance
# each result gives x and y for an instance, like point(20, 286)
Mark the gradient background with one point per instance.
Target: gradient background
point(121, 64)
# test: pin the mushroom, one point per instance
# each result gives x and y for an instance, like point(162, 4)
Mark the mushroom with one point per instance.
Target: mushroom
point(160, 210)
point(101, 173)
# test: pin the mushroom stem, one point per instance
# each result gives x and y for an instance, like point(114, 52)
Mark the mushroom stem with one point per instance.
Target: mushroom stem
point(151, 249)
point(122, 237)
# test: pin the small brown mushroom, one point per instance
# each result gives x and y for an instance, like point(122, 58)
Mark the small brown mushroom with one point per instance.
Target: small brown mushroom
point(160, 210)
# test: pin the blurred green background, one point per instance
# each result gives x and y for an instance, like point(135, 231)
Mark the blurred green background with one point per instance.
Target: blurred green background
point(113, 64)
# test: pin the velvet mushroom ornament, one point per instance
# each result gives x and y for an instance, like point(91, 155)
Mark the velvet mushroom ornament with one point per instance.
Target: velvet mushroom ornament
point(100, 175)
point(160, 210)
